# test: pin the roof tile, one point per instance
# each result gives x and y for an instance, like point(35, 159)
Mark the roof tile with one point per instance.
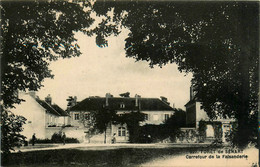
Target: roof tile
point(145, 104)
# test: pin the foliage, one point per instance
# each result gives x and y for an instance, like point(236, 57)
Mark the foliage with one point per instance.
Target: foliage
point(202, 130)
point(57, 138)
point(169, 129)
point(33, 34)
point(102, 119)
point(218, 130)
point(157, 133)
point(152, 133)
point(177, 120)
point(174, 123)
point(217, 126)
point(10, 131)
point(231, 136)
point(132, 121)
point(216, 41)
point(42, 141)
point(86, 119)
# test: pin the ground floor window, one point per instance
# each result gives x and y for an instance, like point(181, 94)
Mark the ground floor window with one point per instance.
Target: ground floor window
point(121, 131)
point(87, 116)
point(166, 116)
point(146, 117)
point(76, 116)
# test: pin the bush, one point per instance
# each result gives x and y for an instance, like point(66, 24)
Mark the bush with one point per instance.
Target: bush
point(42, 141)
point(57, 138)
point(156, 133)
point(71, 140)
point(10, 131)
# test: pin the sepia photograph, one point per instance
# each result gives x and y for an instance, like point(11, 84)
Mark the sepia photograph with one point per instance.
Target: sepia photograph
point(118, 83)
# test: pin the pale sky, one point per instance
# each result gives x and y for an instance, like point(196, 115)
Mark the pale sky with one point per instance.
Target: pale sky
point(107, 70)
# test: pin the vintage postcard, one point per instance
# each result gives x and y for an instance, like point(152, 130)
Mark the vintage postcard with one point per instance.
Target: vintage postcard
point(129, 83)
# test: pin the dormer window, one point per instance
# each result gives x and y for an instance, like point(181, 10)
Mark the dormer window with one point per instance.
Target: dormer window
point(122, 105)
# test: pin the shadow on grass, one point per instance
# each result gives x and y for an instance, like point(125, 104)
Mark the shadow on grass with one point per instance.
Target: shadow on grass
point(74, 157)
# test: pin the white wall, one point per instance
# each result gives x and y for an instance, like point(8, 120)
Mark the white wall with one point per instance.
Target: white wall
point(114, 130)
point(200, 114)
point(62, 120)
point(72, 132)
point(35, 115)
point(52, 119)
point(156, 117)
point(72, 121)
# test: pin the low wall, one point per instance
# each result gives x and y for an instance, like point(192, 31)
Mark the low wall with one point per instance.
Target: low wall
point(79, 133)
point(73, 132)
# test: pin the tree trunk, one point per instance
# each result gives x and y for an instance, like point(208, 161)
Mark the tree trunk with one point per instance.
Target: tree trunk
point(105, 138)
point(244, 130)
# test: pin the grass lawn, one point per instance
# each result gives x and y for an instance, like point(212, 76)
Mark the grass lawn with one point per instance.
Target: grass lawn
point(76, 157)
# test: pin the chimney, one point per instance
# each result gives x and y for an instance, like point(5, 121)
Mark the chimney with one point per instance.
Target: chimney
point(191, 93)
point(72, 101)
point(48, 99)
point(173, 105)
point(165, 100)
point(75, 100)
point(108, 95)
point(136, 100)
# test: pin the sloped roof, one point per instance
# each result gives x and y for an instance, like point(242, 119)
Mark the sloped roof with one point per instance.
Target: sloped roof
point(190, 102)
point(53, 109)
point(146, 104)
point(59, 110)
point(193, 100)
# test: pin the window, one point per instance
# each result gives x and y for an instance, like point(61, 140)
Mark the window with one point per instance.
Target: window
point(166, 116)
point(122, 105)
point(76, 116)
point(145, 117)
point(87, 116)
point(121, 131)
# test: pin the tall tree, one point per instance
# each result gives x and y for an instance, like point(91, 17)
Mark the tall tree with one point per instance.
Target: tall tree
point(132, 120)
point(102, 119)
point(216, 41)
point(33, 34)
point(10, 132)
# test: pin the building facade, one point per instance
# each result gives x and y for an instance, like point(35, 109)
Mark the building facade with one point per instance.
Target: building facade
point(41, 115)
point(156, 112)
point(195, 113)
